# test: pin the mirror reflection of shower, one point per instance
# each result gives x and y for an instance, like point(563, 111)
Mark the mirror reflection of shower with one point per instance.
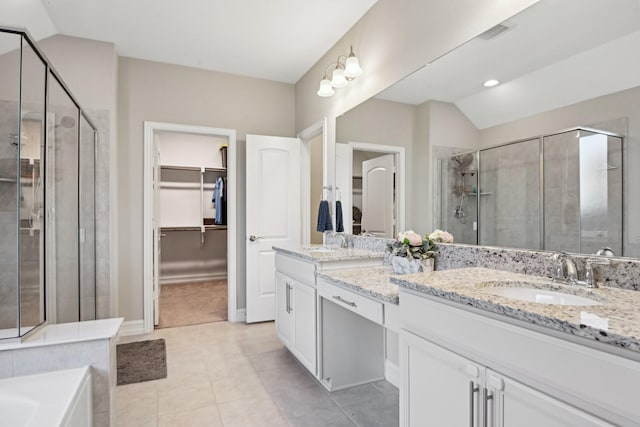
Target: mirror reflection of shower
point(462, 166)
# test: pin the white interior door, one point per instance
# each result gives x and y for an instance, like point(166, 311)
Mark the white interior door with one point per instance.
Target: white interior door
point(156, 231)
point(378, 196)
point(273, 215)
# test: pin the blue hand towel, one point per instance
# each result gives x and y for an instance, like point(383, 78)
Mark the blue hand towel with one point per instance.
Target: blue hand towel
point(339, 220)
point(324, 219)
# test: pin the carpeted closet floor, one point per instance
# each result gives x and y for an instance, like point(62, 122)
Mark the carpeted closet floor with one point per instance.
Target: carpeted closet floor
point(183, 304)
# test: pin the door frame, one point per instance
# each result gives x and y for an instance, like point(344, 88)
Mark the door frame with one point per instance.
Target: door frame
point(150, 129)
point(400, 165)
point(305, 136)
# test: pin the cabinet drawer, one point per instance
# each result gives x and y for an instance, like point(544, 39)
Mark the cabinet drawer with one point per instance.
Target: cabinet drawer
point(363, 306)
point(296, 269)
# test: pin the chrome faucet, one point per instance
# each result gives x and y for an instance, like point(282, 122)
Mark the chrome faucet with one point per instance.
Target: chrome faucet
point(565, 270)
point(344, 240)
point(605, 251)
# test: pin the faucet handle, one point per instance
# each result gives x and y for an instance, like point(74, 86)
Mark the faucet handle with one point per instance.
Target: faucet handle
point(589, 280)
point(598, 261)
point(558, 258)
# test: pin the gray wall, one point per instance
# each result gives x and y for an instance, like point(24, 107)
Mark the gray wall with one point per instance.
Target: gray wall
point(151, 91)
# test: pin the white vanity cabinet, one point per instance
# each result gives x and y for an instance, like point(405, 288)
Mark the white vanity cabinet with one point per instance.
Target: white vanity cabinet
point(301, 315)
point(296, 318)
point(442, 388)
point(436, 385)
point(511, 403)
point(460, 366)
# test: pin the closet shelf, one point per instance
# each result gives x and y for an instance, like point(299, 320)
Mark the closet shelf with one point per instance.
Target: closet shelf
point(194, 228)
point(192, 168)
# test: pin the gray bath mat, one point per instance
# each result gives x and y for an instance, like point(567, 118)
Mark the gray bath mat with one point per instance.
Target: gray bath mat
point(141, 361)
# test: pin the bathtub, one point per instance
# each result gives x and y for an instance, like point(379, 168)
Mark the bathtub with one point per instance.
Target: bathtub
point(59, 398)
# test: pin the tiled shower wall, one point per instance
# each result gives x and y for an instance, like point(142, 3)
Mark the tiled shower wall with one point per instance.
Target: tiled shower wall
point(510, 196)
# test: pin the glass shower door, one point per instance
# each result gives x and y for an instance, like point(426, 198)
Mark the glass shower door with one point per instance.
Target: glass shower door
point(32, 302)
point(9, 183)
point(509, 194)
point(87, 221)
point(63, 267)
point(583, 191)
point(458, 198)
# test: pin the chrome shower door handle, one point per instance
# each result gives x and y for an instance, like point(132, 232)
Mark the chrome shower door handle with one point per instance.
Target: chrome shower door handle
point(253, 238)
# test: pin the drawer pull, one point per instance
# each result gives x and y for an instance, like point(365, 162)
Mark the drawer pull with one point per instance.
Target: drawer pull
point(344, 301)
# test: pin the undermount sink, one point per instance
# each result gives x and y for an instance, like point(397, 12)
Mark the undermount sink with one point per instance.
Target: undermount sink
point(540, 296)
point(319, 249)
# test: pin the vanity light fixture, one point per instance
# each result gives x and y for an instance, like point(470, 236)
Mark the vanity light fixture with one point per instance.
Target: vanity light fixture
point(491, 83)
point(343, 73)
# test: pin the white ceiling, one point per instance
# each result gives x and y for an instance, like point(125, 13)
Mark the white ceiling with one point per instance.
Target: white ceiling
point(557, 52)
point(271, 39)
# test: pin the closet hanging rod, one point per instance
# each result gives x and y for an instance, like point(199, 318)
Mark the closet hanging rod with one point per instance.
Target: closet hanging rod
point(192, 168)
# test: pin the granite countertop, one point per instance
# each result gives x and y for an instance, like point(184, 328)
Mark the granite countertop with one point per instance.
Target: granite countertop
point(318, 253)
point(616, 321)
point(372, 282)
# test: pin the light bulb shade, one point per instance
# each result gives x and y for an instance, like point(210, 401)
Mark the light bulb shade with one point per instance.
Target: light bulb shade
point(352, 68)
point(338, 79)
point(325, 88)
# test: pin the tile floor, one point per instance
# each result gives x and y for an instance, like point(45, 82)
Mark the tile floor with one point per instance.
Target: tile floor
point(229, 374)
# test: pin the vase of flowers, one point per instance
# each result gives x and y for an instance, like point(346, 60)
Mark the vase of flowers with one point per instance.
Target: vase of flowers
point(409, 253)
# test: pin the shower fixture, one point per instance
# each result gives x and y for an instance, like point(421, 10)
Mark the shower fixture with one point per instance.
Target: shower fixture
point(461, 163)
point(66, 122)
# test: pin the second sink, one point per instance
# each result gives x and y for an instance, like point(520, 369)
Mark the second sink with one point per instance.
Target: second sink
point(540, 296)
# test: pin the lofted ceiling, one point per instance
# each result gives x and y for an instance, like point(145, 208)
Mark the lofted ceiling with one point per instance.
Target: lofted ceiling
point(555, 53)
point(276, 40)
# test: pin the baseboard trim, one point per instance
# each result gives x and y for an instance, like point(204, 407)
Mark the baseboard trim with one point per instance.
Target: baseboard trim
point(241, 315)
point(131, 327)
point(392, 373)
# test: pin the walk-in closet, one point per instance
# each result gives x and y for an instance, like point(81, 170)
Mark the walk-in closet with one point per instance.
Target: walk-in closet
point(191, 212)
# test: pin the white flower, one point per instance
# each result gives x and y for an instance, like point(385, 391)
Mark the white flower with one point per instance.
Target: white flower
point(414, 238)
point(440, 236)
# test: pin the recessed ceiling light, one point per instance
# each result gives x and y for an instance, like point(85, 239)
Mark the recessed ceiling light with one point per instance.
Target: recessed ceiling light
point(491, 83)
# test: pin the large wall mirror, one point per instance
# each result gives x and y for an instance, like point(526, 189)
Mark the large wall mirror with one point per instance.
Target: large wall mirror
point(543, 160)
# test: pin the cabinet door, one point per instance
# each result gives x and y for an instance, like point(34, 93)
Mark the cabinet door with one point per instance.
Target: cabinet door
point(303, 308)
point(439, 388)
point(284, 317)
point(514, 404)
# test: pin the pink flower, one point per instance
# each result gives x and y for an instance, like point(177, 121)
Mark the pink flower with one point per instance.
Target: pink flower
point(414, 238)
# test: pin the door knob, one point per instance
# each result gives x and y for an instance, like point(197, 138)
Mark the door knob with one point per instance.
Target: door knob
point(254, 238)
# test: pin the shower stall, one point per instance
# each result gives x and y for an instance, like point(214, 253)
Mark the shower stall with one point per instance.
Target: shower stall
point(560, 192)
point(47, 204)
